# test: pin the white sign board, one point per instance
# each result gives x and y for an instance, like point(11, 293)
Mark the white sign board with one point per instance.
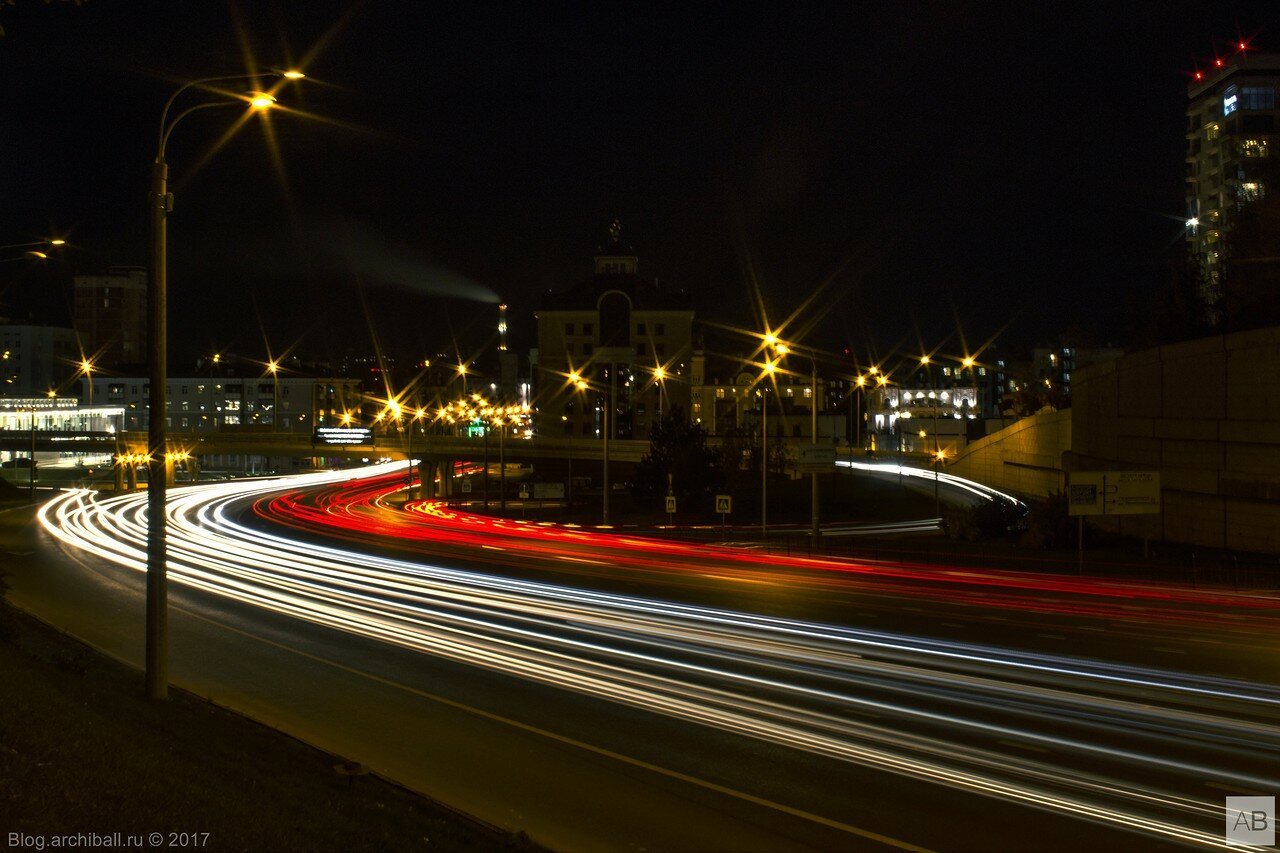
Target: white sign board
point(724, 504)
point(816, 458)
point(466, 485)
point(548, 491)
point(671, 503)
point(524, 491)
point(339, 436)
point(1113, 492)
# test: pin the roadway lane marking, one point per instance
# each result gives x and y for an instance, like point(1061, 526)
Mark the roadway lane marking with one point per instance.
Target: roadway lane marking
point(526, 727)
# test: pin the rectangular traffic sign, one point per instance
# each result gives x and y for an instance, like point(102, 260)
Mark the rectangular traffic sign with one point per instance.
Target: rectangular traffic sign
point(816, 458)
point(1113, 492)
point(724, 504)
point(671, 503)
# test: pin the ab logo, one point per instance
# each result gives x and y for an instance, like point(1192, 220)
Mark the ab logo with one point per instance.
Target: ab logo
point(1251, 820)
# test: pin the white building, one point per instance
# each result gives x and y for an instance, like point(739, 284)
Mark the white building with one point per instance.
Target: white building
point(206, 404)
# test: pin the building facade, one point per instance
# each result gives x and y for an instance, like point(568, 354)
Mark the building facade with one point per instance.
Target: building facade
point(1231, 145)
point(212, 403)
point(615, 349)
point(35, 360)
point(736, 401)
point(110, 316)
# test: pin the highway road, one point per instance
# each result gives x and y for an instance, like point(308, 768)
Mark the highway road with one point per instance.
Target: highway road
point(605, 691)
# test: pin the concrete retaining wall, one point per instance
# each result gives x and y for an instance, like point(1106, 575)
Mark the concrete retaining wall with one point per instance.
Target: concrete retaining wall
point(1206, 414)
point(1025, 458)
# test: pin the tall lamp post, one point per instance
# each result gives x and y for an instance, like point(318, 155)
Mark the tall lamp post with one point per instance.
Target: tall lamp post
point(160, 202)
point(660, 377)
point(583, 385)
point(86, 367)
point(769, 368)
point(604, 412)
point(31, 475)
point(813, 430)
point(933, 403)
point(418, 415)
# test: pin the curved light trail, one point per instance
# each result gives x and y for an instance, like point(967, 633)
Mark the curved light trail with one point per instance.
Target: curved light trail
point(1123, 745)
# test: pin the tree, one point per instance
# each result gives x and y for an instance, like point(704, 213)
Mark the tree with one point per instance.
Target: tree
point(677, 450)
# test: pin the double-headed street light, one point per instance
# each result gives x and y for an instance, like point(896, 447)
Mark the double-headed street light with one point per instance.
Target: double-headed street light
point(161, 205)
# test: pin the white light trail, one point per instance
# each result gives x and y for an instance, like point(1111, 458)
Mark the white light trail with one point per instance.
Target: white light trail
point(926, 708)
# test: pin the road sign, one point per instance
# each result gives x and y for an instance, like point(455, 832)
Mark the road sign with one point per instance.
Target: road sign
point(1113, 492)
point(339, 436)
point(466, 485)
point(671, 504)
point(524, 491)
point(724, 504)
point(548, 491)
point(816, 458)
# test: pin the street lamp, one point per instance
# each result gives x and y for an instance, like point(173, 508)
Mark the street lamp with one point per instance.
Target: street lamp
point(861, 382)
point(273, 367)
point(86, 368)
point(161, 205)
point(31, 474)
point(770, 368)
point(418, 415)
point(575, 378)
point(660, 377)
point(56, 241)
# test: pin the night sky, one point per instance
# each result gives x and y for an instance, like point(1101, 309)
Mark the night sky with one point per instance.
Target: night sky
point(1011, 164)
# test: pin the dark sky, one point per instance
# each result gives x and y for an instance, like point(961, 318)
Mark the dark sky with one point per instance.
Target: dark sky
point(993, 161)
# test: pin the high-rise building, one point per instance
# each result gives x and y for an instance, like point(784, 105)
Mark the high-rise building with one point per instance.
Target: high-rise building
point(111, 316)
point(1231, 145)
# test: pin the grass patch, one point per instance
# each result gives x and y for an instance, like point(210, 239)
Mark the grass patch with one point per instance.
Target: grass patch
point(82, 751)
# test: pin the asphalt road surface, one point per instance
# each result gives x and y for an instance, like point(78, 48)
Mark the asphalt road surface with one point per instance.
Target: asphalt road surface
point(603, 691)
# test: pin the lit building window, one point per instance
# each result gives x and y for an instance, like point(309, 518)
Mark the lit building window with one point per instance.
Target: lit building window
point(1253, 148)
point(1251, 191)
point(1212, 132)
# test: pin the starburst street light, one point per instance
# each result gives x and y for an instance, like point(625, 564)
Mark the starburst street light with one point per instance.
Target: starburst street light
point(161, 205)
point(86, 368)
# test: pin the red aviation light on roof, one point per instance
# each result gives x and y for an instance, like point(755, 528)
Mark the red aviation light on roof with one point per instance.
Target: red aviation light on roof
point(1199, 75)
point(1218, 63)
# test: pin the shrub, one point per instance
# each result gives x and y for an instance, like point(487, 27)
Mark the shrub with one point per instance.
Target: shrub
point(984, 520)
point(1048, 525)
